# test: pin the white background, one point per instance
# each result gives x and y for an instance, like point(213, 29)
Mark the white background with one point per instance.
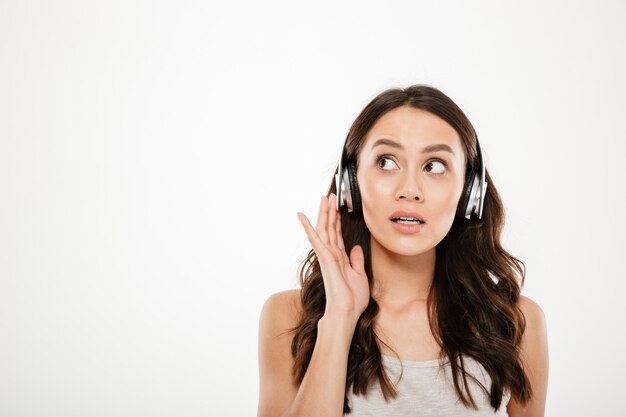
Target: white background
point(153, 156)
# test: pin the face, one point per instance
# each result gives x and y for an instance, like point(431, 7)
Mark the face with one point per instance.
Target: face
point(410, 177)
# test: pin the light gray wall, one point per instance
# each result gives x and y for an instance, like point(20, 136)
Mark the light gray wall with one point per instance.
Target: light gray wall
point(153, 156)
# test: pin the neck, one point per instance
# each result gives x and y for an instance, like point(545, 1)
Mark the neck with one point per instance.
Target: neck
point(400, 281)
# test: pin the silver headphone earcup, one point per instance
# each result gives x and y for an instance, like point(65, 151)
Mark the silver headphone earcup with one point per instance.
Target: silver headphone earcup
point(473, 202)
point(355, 195)
point(347, 196)
point(464, 201)
point(483, 195)
point(338, 192)
point(344, 193)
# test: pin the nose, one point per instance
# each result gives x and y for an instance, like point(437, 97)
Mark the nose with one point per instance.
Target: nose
point(409, 188)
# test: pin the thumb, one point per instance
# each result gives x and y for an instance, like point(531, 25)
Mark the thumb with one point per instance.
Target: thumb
point(357, 259)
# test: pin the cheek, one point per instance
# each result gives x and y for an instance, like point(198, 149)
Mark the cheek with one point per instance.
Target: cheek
point(445, 201)
point(369, 193)
point(446, 197)
point(374, 191)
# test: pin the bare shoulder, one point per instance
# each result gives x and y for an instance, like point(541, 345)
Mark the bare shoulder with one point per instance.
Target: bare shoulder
point(535, 337)
point(535, 359)
point(277, 388)
point(283, 308)
point(533, 313)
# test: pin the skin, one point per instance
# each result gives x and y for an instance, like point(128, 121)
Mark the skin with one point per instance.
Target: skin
point(403, 265)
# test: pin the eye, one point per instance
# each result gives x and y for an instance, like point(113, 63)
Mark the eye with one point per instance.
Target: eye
point(435, 161)
point(383, 158)
point(438, 171)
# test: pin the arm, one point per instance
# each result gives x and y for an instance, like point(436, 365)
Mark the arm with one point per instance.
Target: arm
point(322, 390)
point(534, 355)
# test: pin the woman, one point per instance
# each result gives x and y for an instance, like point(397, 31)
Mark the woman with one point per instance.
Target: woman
point(421, 318)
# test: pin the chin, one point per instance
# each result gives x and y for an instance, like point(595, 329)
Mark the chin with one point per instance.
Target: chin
point(406, 245)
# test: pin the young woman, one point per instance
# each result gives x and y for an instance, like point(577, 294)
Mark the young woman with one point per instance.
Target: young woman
point(398, 316)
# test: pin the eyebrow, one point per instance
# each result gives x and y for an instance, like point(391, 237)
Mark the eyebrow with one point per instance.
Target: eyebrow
point(427, 149)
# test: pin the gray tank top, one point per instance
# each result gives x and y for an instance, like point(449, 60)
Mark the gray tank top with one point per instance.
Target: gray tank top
point(426, 389)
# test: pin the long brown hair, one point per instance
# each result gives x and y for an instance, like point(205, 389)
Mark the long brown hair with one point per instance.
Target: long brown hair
point(472, 300)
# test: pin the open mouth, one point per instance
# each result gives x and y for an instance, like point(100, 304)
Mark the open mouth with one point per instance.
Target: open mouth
point(405, 220)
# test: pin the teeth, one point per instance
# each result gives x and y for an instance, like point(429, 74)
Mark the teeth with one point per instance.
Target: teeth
point(406, 221)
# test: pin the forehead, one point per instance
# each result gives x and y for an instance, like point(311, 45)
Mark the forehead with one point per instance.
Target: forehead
point(414, 129)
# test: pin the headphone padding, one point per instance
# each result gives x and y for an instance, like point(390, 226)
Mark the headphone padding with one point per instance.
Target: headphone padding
point(354, 187)
point(467, 190)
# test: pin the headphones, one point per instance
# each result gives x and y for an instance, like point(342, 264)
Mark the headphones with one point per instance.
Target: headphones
point(472, 199)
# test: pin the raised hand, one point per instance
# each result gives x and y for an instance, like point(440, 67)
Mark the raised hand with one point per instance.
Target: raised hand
point(345, 281)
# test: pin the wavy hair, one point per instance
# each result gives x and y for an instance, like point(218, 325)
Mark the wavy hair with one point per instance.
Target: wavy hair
point(471, 304)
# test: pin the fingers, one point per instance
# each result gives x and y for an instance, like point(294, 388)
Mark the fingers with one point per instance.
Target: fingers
point(327, 259)
point(332, 219)
point(327, 237)
point(322, 217)
point(339, 238)
point(311, 234)
point(357, 259)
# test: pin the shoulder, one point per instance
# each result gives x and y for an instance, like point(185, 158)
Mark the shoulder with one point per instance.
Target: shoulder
point(279, 315)
point(282, 307)
point(533, 313)
point(534, 357)
point(535, 338)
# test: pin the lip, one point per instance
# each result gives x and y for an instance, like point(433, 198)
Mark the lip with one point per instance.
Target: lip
point(408, 228)
point(403, 213)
